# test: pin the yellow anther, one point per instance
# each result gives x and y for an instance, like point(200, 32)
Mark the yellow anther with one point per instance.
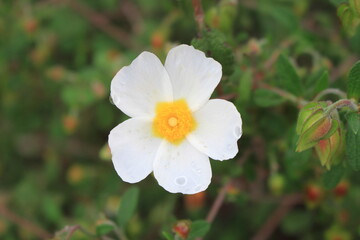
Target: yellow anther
point(173, 121)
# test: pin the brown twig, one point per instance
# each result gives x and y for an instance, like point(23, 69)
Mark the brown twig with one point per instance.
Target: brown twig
point(198, 14)
point(222, 193)
point(334, 91)
point(24, 223)
point(132, 14)
point(218, 202)
point(286, 204)
point(101, 22)
point(274, 56)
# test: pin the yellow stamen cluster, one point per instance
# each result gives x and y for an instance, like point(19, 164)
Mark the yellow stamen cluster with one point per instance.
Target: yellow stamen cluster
point(173, 121)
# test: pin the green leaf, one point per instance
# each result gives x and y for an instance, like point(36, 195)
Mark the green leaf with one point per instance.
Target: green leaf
point(353, 149)
point(332, 177)
point(322, 83)
point(354, 81)
point(103, 229)
point(336, 2)
point(127, 206)
point(283, 16)
point(245, 84)
point(199, 229)
point(353, 120)
point(267, 98)
point(167, 235)
point(288, 78)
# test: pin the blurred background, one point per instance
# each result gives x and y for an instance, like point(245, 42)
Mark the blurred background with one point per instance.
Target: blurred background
point(57, 59)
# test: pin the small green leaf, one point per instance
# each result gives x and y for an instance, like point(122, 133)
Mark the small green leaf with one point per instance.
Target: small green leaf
point(353, 149)
point(354, 81)
point(353, 120)
point(167, 235)
point(332, 177)
point(322, 83)
point(288, 78)
point(245, 84)
point(104, 229)
point(282, 16)
point(267, 98)
point(128, 205)
point(199, 229)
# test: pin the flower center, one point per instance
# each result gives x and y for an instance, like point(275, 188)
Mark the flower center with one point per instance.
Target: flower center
point(173, 121)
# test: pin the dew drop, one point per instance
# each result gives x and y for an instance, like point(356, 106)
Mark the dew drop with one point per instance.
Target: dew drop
point(181, 181)
point(237, 131)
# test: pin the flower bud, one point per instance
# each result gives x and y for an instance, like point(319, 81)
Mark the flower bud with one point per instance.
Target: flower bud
point(314, 195)
point(341, 189)
point(314, 124)
point(276, 184)
point(329, 149)
point(182, 228)
point(307, 111)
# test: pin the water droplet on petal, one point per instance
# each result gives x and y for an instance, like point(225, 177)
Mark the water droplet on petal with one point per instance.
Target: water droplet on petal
point(181, 181)
point(237, 131)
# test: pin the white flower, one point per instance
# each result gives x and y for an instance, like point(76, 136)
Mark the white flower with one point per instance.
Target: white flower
point(174, 128)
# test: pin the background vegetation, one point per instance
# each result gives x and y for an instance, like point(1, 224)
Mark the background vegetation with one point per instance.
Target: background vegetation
point(57, 59)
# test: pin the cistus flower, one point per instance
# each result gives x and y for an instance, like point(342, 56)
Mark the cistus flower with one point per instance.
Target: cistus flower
point(173, 128)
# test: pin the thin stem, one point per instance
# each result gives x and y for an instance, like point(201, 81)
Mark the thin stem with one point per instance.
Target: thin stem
point(334, 91)
point(285, 206)
point(218, 203)
point(288, 96)
point(24, 223)
point(198, 14)
point(100, 21)
point(340, 104)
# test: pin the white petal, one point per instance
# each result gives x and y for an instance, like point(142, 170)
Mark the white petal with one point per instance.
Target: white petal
point(137, 88)
point(193, 75)
point(219, 126)
point(182, 168)
point(133, 149)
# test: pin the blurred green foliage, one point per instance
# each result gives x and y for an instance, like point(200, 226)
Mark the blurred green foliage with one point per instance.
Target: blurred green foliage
point(57, 59)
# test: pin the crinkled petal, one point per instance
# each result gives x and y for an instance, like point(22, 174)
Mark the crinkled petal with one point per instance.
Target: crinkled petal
point(133, 149)
point(193, 75)
point(182, 168)
point(219, 126)
point(137, 88)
